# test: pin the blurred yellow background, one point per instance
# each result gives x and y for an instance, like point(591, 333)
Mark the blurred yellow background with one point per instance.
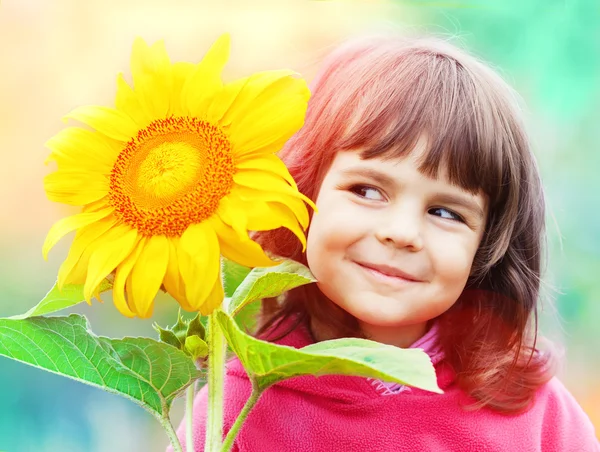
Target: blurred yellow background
point(60, 54)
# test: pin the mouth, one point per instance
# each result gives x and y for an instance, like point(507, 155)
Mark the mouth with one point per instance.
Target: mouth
point(387, 274)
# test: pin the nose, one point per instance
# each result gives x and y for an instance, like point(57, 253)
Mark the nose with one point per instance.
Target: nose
point(401, 226)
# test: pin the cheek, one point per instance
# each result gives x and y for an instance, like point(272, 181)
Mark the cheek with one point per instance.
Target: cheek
point(453, 263)
point(317, 244)
point(314, 245)
point(326, 243)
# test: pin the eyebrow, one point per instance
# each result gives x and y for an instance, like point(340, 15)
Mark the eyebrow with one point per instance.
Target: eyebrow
point(466, 203)
point(372, 174)
point(449, 198)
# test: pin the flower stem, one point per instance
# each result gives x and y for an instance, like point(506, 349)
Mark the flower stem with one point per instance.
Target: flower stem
point(171, 433)
point(216, 372)
point(254, 396)
point(189, 418)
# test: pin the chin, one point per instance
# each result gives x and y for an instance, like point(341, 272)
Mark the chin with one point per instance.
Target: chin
point(379, 317)
point(387, 322)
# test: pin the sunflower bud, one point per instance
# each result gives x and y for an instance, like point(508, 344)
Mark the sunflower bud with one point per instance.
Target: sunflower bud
point(186, 335)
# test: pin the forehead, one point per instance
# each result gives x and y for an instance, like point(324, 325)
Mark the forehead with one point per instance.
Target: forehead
point(353, 160)
point(457, 161)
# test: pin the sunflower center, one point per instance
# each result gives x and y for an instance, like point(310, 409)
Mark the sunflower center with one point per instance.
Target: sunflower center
point(162, 173)
point(171, 175)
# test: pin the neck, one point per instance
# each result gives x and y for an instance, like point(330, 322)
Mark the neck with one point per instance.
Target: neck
point(403, 336)
point(398, 336)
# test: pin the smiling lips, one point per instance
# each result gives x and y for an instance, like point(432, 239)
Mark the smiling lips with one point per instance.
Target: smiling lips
point(385, 272)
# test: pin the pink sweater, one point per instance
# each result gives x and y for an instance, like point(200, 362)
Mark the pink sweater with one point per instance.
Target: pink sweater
point(341, 413)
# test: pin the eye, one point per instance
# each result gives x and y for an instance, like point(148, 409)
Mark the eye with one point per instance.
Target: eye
point(447, 214)
point(367, 192)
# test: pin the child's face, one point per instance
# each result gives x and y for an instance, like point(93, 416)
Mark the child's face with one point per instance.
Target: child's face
point(387, 245)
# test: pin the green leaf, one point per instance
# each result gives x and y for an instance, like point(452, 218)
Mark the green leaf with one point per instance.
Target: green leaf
point(55, 300)
point(269, 282)
point(247, 317)
point(146, 371)
point(167, 336)
point(270, 363)
point(233, 275)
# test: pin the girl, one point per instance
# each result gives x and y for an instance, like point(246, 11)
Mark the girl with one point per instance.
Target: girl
point(429, 234)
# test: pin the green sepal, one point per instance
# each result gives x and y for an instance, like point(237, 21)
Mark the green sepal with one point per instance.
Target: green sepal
point(167, 336)
point(180, 328)
point(195, 328)
point(196, 347)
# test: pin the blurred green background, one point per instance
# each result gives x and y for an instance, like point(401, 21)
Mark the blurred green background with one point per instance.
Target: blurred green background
point(60, 54)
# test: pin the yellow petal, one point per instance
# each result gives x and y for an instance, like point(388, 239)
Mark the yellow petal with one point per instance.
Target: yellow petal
point(268, 148)
point(294, 203)
point(181, 72)
point(221, 102)
point(108, 121)
point(172, 276)
point(121, 275)
point(214, 300)
point(152, 77)
point(243, 251)
point(84, 239)
point(127, 102)
point(173, 281)
point(244, 92)
point(251, 139)
point(79, 149)
point(68, 224)
point(199, 262)
point(116, 245)
point(148, 273)
point(270, 163)
point(96, 205)
point(279, 216)
point(79, 272)
point(253, 215)
point(274, 116)
point(262, 181)
point(234, 211)
point(234, 214)
point(75, 188)
point(205, 80)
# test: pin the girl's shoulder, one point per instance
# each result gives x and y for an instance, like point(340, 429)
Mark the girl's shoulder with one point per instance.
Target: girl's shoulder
point(563, 424)
point(555, 401)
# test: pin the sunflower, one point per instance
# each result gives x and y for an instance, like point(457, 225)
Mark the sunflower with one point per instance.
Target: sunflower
point(174, 176)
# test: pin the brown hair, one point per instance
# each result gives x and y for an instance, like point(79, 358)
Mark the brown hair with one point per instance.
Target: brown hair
point(382, 94)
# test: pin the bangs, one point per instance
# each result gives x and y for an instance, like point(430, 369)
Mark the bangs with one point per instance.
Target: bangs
point(391, 99)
